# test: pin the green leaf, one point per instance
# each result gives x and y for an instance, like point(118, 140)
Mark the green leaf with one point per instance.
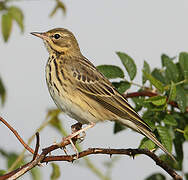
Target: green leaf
point(138, 101)
point(2, 172)
point(11, 158)
point(158, 74)
point(6, 26)
point(2, 92)
point(17, 15)
point(148, 117)
point(186, 176)
point(186, 132)
point(118, 127)
point(2, 5)
point(128, 63)
point(147, 144)
point(111, 71)
point(56, 173)
point(171, 69)
point(178, 144)
point(157, 100)
point(170, 120)
point(183, 60)
point(122, 86)
point(59, 5)
point(146, 68)
point(172, 94)
point(154, 81)
point(156, 176)
point(54, 120)
point(181, 98)
point(35, 173)
point(165, 136)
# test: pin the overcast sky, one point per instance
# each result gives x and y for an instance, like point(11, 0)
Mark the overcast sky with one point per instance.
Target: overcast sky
point(144, 29)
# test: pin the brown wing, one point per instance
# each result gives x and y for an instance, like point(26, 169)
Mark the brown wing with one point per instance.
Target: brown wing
point(94, 85)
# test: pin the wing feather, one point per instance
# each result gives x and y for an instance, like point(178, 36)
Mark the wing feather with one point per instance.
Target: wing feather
point(94, 85)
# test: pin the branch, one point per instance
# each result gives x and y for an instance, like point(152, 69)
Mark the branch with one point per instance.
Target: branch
point(149, 94)
point(43, 158)
point(17, 135)
point(129, 152)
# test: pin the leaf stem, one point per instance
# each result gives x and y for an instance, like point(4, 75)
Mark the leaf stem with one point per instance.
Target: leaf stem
point(180, 130)
point(181, 82)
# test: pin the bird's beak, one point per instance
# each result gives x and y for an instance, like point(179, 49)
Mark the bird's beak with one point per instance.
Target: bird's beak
point(40, 35)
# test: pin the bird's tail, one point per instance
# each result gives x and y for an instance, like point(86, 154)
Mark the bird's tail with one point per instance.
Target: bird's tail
point(152, 137)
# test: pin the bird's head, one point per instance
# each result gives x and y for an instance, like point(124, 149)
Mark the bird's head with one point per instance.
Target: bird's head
point(59, 40)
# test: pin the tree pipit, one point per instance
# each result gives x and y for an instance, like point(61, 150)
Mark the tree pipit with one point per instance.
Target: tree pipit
point(81, 91)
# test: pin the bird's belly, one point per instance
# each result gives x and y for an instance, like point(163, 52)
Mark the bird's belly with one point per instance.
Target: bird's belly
point(71, 109)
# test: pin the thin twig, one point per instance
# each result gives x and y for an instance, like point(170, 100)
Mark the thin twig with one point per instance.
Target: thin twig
point(21, 156)
point(17, 135)
point(37, 146)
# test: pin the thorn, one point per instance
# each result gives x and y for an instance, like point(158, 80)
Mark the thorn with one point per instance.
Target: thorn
point(65, 150)
point(110, 155)
point(133, 156)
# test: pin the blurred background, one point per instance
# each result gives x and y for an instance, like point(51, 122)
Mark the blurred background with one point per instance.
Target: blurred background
point(143, 29)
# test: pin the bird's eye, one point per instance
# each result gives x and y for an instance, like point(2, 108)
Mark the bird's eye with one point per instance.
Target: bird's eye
point(56, 36)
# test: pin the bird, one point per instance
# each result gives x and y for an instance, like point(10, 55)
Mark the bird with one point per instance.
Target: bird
point(84, 93)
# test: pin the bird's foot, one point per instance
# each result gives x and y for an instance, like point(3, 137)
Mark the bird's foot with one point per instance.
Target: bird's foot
point(76, 131)
point(80, 137)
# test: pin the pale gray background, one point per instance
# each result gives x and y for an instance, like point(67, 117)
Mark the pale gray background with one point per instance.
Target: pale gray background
point(142, 28)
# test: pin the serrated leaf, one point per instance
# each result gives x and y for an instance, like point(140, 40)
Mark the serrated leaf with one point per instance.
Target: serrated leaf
point(128, 63)
point(6, 26)
point(122, 86)
point(180, 72)
point(111, 71)
point(154, 81)
point(146, 68)
point(148, 117)
point(118, 127)
point(17, 15)
point(172, 94)
point(147, 144)
point(171, 69)
point(156, 176)
point(165, 158)
point(2, 92)
point(56, 173)
point(181, 98)
point(165, 137)
point(157, 100)
point(178, 144)
point(157, 73)
point(170, 120)
point(138, 101)
point(186, 132)
point(35, 173)
point(183, 60)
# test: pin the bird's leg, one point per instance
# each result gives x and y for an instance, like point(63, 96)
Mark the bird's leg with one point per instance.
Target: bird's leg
point(76, 127)
point(80, 131)
point(76, 133)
